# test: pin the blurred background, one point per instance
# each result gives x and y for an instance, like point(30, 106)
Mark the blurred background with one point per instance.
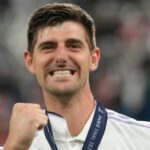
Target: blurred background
point(122, 81)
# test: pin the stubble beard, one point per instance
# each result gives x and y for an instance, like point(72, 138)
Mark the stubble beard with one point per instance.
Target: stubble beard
point(64, 95)
point(67, 95)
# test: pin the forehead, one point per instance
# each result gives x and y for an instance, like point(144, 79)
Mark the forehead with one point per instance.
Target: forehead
point(62, 31)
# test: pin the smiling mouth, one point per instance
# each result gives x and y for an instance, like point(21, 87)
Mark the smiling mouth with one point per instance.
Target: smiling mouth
point(62, 73)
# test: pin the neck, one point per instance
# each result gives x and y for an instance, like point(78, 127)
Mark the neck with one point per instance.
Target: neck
point(76, 110)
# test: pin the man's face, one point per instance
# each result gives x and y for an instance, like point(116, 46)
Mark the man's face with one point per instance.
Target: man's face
point(62, 59)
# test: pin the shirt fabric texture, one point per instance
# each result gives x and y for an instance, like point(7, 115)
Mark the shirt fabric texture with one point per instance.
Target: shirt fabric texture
point(121, 133)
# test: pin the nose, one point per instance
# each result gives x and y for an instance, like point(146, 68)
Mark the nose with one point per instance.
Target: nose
point(61, 62)
point(61, 58)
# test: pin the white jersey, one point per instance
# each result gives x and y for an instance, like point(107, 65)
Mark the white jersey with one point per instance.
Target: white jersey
point(121, 133)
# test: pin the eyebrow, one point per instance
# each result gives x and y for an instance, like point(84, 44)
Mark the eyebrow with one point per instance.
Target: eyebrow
point(76, 41)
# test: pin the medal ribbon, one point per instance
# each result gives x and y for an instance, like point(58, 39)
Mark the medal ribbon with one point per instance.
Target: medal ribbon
point(95, 132)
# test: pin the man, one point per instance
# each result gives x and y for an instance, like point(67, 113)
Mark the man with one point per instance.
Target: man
point(61, 53)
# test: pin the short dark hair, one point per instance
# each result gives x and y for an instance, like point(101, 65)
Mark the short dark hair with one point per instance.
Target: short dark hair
point(57, 13)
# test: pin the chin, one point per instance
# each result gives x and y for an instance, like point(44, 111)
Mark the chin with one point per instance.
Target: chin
point(63, 92)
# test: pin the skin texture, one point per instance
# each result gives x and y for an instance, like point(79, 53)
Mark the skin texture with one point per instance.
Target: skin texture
point(61, 64)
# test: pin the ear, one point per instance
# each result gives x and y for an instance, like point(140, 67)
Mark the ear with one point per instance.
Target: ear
point(95, 57)
point(28, 58)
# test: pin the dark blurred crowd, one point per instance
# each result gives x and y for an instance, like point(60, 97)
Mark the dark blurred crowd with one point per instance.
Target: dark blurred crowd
point(122, 81)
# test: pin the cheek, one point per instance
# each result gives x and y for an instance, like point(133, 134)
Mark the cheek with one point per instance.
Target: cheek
point(39, 66)
point(41, 61)
point(86, 65)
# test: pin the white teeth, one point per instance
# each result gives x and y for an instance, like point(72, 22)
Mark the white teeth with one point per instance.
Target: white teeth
point(62, 73)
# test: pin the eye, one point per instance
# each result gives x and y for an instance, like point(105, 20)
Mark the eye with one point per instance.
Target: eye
point(47, 46)
point(74, 45)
